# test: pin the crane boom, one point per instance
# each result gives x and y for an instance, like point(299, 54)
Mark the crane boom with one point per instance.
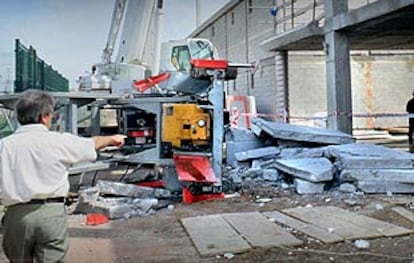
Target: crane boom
point(117, 17)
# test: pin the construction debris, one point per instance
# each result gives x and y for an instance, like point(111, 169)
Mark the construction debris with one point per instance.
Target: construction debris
point(126, 201)
point(305, 160)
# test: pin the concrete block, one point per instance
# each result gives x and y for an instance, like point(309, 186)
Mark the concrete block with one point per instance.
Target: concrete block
point(310, 169)
point(300, 152)
point(385, 187)
point(130, 190)
point(302, 133)
point(270, 151)
point(369, 162)
point(347, 188)
point(389, 175)
point(270, 175)
point(233, 147)
point(305, 187)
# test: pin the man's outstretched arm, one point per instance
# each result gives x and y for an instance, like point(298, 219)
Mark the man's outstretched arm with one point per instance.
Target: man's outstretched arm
point(112, 140)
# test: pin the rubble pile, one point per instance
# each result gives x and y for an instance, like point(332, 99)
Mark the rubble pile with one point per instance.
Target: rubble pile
point(313, 160)
point(119, 200)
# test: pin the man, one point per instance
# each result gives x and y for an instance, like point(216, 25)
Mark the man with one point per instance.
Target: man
point(410, 110)
point(34, 180)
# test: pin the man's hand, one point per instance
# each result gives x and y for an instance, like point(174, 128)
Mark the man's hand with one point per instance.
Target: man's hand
point(118, 140)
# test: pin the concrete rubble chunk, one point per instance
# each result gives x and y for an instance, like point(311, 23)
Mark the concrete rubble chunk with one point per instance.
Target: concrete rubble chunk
point(300, 152)
point(301, 133)
point(238, 140)
point(365, 149)
point(347, 188)
point(130, 190)
point(257, 153)
point(365, 156)
point(270, 175)
point(115, 208)
point(310, 169)
point(372, 187)
point(381, 175)
point(305, 187)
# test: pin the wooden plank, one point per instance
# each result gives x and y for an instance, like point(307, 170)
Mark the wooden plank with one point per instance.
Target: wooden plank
point(304, 227)
point(212, 235)
point(259, 231)
point(331, 223)
point(404, 212)
point(383, 228)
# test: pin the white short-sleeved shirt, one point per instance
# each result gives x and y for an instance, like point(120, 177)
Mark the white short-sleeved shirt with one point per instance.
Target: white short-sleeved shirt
point(34, 161)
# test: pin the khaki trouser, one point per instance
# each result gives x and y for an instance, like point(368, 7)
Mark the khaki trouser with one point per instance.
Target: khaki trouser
point(36, 232)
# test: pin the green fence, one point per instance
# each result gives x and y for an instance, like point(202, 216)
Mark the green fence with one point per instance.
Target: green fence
point(33, 73)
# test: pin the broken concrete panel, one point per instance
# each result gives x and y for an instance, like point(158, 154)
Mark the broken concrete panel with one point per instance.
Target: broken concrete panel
point(392, 175)
point(241, 135)
point(235, 147)
point(130, 190)
point(115, 208)
point(385, 187)
point(257, 163)
point(370, 162)
point(300, 152)
point(252, 173)
point(239, 140)
point(310, 169)
point(301, 133)
point(257, 153)
point(347, 188)
point(304, 187)
point(365, 149)
point(270, 175)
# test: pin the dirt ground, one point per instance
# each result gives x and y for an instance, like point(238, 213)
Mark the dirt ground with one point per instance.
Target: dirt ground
point(161, 238)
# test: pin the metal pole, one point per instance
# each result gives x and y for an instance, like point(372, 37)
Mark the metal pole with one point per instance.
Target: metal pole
point(198, 12)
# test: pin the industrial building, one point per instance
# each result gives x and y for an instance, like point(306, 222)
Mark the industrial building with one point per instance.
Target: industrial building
point(290, 52)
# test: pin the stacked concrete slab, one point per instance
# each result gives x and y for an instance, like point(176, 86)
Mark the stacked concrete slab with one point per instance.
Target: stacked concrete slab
point(374, 168)
point(311, 167)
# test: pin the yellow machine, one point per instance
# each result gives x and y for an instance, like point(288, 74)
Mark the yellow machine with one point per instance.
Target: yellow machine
point(185, 126)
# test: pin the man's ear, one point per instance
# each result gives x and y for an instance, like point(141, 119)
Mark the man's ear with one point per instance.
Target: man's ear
point(43, 118)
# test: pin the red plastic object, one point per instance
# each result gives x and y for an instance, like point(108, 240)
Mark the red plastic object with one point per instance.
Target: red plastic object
point(153, 184)
point(143, 85)
point(194, 168)
point(96, 219)
point(210, 64)
point(189, 198)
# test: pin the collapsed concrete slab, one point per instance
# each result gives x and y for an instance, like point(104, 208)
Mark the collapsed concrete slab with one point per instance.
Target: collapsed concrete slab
point(300, 152)
point(130, 190)
point(239, 140)
point(366, 150)
point(300, 133)
point(257, 153)
point(310, 169)
point(384, 175)
point(372, 187)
